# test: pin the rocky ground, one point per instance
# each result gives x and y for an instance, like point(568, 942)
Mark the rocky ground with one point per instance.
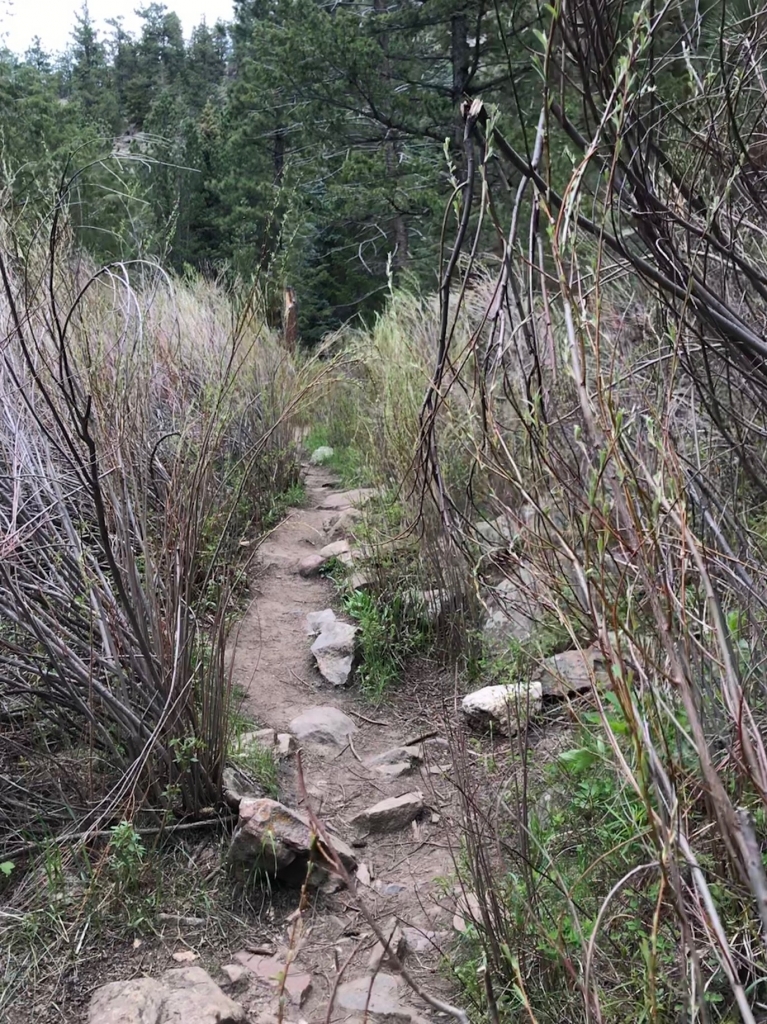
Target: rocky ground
point(377, 783)
point(363, 918)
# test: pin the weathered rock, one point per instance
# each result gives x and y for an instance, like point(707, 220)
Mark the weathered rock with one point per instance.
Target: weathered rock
point(363, 874)
point(321, 455)
point(259, 737)
point(235, 974)
point(396, 944)
point(275, 840)
point(186, 995)
point(347, 499)
point(382, 994)
point(323, 726)
point(274, 971)
point(237, 786)
point(333, 651)
point(337, 549)
point(311, 565)
point(573, 672)
point(390, 815)
point(286, 744)
point(317, 621)
point(342, 524)
point(505, 708)
point(396, 755)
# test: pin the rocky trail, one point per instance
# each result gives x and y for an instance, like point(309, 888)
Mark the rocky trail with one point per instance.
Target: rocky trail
point(371, 779)
point(375, 782)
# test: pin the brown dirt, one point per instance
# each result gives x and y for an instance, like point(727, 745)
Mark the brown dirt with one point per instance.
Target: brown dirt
point(273, 666)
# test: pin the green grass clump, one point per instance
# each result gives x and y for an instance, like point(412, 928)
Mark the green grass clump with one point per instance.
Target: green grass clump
point(390, 631)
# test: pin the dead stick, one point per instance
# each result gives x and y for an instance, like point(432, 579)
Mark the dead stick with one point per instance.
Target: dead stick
point(370, 721)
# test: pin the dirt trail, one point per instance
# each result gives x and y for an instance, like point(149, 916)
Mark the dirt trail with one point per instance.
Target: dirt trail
point(273, 665)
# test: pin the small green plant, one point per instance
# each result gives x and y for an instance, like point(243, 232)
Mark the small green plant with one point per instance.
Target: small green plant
point(293, 496)
point(126, 855)
point(256, 760)
point(6, 868)
point(390, 631)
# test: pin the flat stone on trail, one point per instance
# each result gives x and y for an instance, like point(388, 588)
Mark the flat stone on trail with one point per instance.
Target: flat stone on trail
point(272, 839)
point(347, 499)
point(323, 726)
point(311, 565)
point(338, 549)
point(186, 995)
point(317, 621)
point(334, 652)
point(286, 744)
point(505, 708)
point(380, 994)
point(390, 815)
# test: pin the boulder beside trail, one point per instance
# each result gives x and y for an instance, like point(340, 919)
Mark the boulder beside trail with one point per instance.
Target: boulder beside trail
point(186, 995)
point(317, 621)
point(275, 840)
point(574, 672)
point(390, 815)
point(505, 708)
point(323, 726)
point(333, 651)
point(321, 455)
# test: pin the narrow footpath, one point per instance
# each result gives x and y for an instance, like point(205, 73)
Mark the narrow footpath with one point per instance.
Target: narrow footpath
point(404, 869)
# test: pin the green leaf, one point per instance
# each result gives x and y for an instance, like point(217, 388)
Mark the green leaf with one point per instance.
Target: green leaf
point(6, 867)
point(578, 760)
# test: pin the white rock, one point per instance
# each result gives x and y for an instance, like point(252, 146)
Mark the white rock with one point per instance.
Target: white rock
point(321, 455)
point(185, 994)
point(286, 744)
point(390, 815)
point(334, 652)
point(503, 707)
point(323, 726)
point(317, 621)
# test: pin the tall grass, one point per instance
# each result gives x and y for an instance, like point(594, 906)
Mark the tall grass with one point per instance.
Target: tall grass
point(146, 427)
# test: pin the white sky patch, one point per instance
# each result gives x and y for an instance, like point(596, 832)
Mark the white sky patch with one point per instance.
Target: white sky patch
point(53, 20)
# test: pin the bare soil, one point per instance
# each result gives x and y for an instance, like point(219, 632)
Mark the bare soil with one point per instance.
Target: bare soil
point(409, 870)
